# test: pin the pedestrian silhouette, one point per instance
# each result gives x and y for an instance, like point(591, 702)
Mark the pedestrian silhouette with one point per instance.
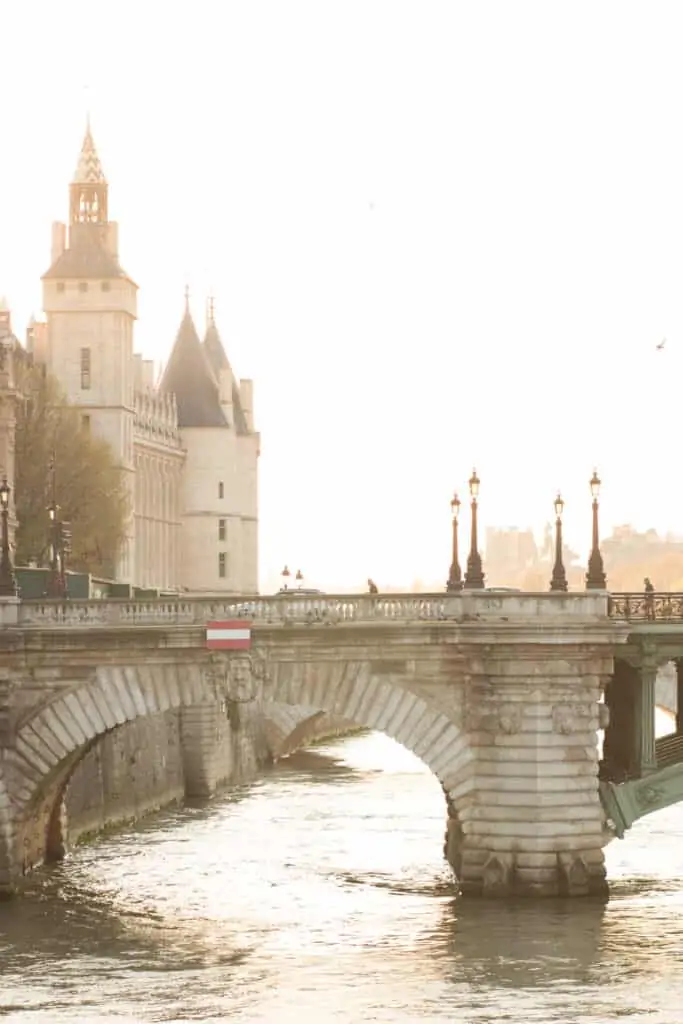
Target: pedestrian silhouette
point(372, 587)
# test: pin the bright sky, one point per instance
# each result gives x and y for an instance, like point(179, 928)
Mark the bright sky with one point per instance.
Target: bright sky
point(439, 234)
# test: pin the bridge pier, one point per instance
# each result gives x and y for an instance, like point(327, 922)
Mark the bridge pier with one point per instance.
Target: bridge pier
point(528, 821)
point(200, 737)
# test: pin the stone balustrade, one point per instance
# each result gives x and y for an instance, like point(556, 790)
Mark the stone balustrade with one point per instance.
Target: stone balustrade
point(340, 609)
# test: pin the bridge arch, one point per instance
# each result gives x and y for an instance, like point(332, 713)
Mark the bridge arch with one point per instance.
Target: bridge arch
point(289, 727)
point(394, 705)
point(52, 741)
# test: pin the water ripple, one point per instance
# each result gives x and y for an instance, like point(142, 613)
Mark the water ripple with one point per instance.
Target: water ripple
point(320, 895)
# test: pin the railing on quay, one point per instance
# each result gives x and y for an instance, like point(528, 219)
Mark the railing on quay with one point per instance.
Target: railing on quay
point(324, 608)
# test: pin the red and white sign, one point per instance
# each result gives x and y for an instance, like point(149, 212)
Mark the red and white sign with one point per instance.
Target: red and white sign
point(234, 635)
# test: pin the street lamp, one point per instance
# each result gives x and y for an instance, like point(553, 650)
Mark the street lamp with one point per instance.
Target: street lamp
point(455, 575)
point(8, 584)
point(285, 576)
point(595, 577)
point(474, 577)
point(56, 581)
point(299, 578)
point(559, 577)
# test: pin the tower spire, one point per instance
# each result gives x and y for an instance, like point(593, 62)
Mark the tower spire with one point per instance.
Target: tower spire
point(88, 169)
point(89, 186)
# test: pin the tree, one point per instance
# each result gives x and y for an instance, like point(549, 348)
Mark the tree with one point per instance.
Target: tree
point(88, 485)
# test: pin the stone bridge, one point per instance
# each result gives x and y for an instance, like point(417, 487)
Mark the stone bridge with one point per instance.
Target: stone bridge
point(498, 694)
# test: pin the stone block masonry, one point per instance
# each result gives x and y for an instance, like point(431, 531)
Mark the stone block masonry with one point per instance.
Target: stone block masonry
point(497, 694)
point(187, 753)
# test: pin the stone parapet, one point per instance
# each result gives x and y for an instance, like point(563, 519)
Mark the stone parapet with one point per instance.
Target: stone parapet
point(537, 610)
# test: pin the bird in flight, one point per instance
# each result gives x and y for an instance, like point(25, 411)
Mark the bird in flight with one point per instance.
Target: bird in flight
point(661, 345)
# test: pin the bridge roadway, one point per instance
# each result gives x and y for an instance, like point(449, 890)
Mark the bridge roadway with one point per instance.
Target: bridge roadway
point(499, 694)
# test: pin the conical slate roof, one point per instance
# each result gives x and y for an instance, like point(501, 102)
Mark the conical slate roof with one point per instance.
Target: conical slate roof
point(89, 169)
point(189, 376)
point(213, 347)
point(218, 360)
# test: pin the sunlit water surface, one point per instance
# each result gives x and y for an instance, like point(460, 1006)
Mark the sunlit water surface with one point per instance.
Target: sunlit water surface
point(319, 894)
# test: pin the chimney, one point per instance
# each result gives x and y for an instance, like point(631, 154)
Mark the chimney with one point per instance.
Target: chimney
point(58, 240)
point(225, 392)
point(247, 398)
point(112, 240)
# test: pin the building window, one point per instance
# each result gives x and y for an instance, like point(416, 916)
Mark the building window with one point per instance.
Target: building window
point(222, 524)
point(85, 423)
point(85, 369)
point(105, 286)
point(222, 564)
point(60, 286)
point(82, 286)
point(221, 489)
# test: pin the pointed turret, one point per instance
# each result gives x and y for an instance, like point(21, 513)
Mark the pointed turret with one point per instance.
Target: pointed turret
point(89, 189)
point(89, 169)
point(92, 249)
point(191, 379)
point(220, 364)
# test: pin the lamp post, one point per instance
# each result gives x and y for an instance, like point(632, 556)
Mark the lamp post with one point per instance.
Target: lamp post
point(8, 583)
point(595, 577)
point(285, 576)
point(559, 577)
point(56, 581)
point(455, 575)
point(474, 577)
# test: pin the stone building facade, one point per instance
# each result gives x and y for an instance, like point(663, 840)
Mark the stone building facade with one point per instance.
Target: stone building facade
point(186, 443)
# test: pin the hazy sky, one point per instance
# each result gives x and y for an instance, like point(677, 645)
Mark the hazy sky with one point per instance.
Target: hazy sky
point(439, 234)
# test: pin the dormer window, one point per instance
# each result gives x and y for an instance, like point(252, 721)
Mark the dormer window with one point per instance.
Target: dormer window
point(82, 286)
point(105, 286)
point(60, 286)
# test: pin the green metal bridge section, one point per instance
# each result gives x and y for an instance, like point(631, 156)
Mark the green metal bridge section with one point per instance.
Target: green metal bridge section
point(639, 773)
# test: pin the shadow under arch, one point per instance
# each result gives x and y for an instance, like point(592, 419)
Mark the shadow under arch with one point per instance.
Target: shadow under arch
point(349, 690)
point(51, 743)
point(6, 831)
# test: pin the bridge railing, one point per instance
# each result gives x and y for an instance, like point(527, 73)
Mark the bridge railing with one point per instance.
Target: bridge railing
point(643, 607)
point(325, 608)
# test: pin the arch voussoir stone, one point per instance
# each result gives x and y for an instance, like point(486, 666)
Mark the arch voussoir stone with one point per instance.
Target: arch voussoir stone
point(350, 690)
point(115, 695)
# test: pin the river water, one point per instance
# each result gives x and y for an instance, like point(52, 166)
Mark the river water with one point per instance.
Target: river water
point(318, 895)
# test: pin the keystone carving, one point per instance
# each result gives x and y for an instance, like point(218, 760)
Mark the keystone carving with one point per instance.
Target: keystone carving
point(237, 678)
point(569, 718)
